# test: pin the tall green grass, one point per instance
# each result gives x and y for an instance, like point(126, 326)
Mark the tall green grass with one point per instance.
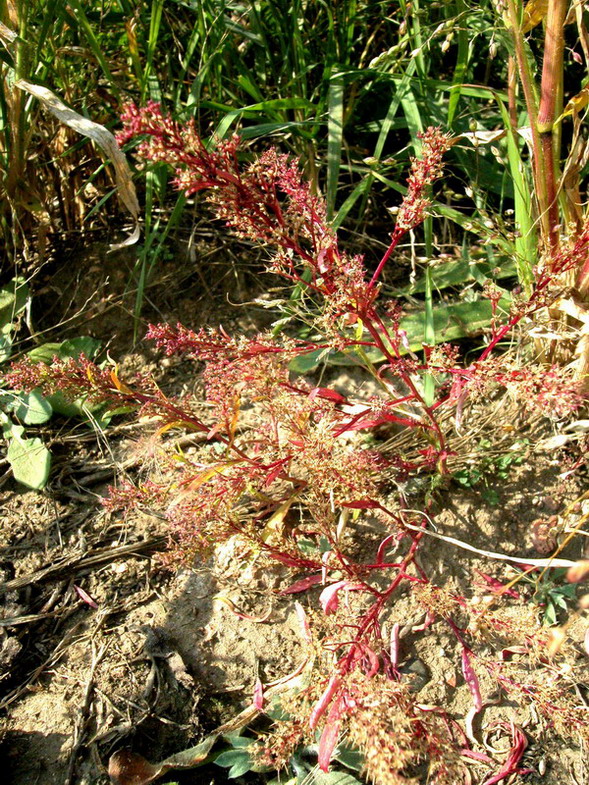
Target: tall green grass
point(346, 87)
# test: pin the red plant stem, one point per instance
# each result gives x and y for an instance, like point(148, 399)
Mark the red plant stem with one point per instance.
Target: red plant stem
point(372, 615)
point(396, 236)
point(370, 323)
point(550, 104)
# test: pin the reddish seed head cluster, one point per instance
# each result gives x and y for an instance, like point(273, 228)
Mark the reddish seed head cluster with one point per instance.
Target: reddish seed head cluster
point(267, 201)
point(75, 378)
point(552, 392)
point(424, 172)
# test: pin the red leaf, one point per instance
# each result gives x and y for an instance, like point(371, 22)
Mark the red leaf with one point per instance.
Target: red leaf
point(471, 679)
point(330, 734)
point(325, 392)
point(323, 702)
point(275, 471)
point(511, 765)
point(329, 596)
point(362, 504)
point(85, 597)
point(302, 585)
point(497, 587)
point(258, 695)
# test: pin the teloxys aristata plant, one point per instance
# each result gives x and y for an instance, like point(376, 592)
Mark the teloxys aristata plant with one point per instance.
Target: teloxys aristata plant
point(293, 488)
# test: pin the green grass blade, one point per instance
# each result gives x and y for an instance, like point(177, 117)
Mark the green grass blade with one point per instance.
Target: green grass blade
point(461, 68)
point(526, 242)
point(335, 125)
point(80, 16)
point(150, 84)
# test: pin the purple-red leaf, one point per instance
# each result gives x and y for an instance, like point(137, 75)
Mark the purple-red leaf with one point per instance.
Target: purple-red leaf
point(85, 597)
point(329, 596)
point(258, 695)
point(325, 392)
point(361, 504)
point(330, 734)
point(511, 765)
point(471, 679)
point(323, 702)
point(302, 585)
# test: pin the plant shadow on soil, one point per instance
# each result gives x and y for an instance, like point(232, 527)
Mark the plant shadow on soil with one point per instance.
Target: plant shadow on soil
point(162, 660)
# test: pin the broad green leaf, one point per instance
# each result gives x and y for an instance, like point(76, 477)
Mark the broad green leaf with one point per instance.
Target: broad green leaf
point(349, 756)
point(332, 778)
point(193, 756)
point(13, 298)
point(30, 461)
point(5, 343)
point(31, 408)
point(77, 408)
point(282, 781)
point(7, 425)
point(459, 273)
point(44, 353)
point(450, 323)
point(74, 347)
point(550, 617)
point(238, 761)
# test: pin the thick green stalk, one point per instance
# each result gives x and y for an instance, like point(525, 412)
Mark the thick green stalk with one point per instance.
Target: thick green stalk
point(17, 103)
point(527, 82)
point(550, 109)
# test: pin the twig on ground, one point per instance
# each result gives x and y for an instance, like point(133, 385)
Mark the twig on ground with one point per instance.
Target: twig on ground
point(83, 714)
point(77, 563)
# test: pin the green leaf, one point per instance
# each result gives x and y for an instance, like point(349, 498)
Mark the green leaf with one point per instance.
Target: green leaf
point(77, 408)
point(30, 460)
point(332, 778)
point(450, 322)
point(335, 124)
point(193, 756)
point(350, 757)
point(238, 761)
point(550, 615)
point(281, 781)
point(13, 299)
point(74, 347)
point(44, 353)
point(31, 408)
point(7, 425)
point(459, 273)
point(5, 343)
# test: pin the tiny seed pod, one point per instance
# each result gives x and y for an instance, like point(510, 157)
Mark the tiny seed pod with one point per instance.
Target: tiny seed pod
point(542, 767)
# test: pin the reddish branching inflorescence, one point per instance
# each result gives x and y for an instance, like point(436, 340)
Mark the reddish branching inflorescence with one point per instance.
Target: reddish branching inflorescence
point(76, 378)
point(425, 170)
point(279, 464)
